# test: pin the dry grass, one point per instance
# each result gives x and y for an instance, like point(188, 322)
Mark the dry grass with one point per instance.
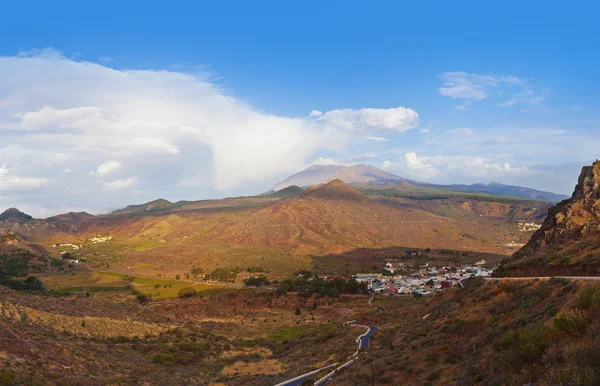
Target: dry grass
point(81, 326)
point(82, 280)
point(262, 367)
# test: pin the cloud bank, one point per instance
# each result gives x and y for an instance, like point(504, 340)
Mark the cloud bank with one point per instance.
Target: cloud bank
point(81, 135)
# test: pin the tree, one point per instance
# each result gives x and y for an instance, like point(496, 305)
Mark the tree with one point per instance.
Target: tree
point(177, 277)
point(314, 305)
point(298, 310)
point(256, 281)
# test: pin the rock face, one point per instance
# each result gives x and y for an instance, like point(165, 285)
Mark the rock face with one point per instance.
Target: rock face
point(574, 218)
point(570, 235)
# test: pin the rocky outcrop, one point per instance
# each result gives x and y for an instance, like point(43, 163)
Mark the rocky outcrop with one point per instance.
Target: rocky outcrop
point(571, 229)
point(574, 218)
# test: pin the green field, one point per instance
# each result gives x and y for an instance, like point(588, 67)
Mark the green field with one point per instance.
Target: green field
point(113, 281)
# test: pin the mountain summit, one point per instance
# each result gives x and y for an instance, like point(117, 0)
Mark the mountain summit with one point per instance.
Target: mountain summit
point(322, 174)
point(336, 190)
point(13, 214)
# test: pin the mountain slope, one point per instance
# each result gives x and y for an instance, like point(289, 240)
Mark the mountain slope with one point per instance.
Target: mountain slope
point(322, 174)
point(336, 217)
point(569, 240)
point(286, 192)
point(497, 189)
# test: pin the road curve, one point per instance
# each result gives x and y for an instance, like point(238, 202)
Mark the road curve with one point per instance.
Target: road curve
point(363, 342)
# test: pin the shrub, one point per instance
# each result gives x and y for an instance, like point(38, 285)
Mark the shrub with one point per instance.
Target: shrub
point(571, 322)
point(587, 297)
point(434, 375)
point(186, 292)
point(163, 359)
point(143, 298)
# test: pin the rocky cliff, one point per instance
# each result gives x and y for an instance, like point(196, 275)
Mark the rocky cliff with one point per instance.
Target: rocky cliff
point(570, 235)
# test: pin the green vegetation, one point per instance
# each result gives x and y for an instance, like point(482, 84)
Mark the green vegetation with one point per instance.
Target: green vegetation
point(256, 281)
point(307, 284)
point(186, 292)
point(224, 274)
point(7, 237)
point(289, 333)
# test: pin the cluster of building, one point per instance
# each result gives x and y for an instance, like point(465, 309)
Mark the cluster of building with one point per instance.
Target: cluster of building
point(68, 245)
point(423, 281)
point(526, 227)
point(100, 239)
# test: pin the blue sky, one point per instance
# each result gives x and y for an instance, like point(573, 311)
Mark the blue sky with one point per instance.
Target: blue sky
point(461, 92)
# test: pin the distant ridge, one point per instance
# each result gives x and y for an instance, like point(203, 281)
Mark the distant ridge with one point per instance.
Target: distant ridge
point(159, 204)
point(71, 217)
point(498, 189)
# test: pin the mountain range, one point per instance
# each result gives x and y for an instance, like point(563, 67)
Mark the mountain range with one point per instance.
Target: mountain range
point(368, 176)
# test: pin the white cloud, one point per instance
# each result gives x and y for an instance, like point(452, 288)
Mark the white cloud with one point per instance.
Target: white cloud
point(527, 95)
point(451, 169)
point(120, 184)
point(107, 168)
point(181, 135)
point(380, 139)
point(371, 120)
point(47, 117)
point(324, 161)
point(14, 183)
point(471, 88)
point(425, 131)
point(458, 132)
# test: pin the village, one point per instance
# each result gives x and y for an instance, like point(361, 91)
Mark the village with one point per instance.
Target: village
point(422, 281)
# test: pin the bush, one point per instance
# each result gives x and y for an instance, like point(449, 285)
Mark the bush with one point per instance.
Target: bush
point(163, 359)
point(143, 298)
point(186, 292)
point(587, 297)
point(571, 322)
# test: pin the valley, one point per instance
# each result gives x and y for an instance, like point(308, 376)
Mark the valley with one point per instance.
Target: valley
point(259, 290)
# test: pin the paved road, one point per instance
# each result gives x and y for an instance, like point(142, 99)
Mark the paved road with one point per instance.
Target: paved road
point(364, 339)
point(594, 278)
point(301, 378)
point(363, 342)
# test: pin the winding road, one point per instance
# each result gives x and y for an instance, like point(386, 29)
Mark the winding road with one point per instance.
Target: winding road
point(363, 342)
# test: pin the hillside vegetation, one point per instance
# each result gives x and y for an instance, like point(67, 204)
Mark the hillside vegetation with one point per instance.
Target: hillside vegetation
point(511, 332)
